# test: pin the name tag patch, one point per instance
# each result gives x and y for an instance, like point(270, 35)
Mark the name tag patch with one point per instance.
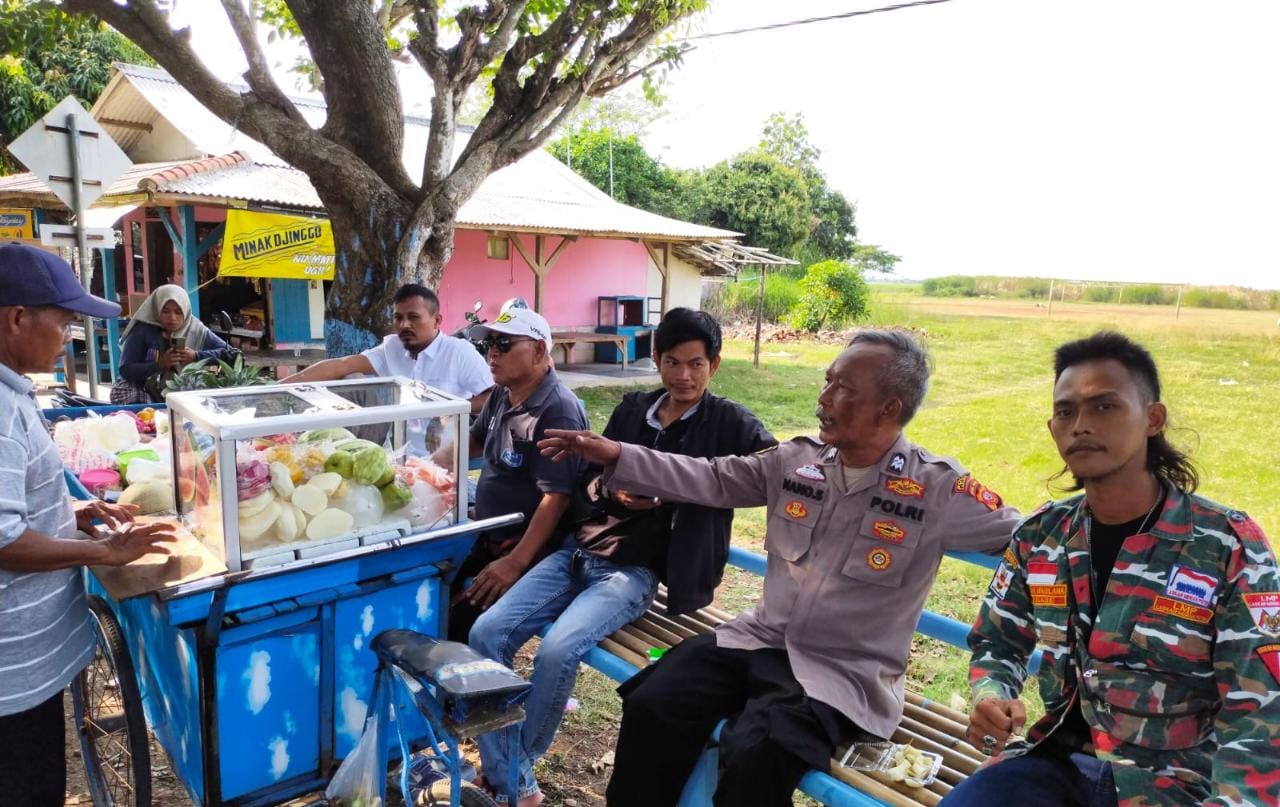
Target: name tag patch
point(802, 489)
point(811, 472)
point(1042, 573)
point(1182, 610)
point(1264, 607)
point(1049, 596)
point(888, 531)
point(904, 486)
point(879, 559)
point(1191, 586)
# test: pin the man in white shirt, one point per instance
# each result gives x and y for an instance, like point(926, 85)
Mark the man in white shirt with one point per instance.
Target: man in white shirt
point(417, 350)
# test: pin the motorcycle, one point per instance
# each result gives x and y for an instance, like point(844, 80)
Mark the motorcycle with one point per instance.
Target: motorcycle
point(473, 319)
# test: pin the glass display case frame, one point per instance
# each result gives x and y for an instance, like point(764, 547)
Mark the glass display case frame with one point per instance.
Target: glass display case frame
point(229, 416)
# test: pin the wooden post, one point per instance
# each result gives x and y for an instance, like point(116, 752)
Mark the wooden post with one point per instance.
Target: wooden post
point(755, 357)
point(662, 259)
point(539, 264)
point(113, 323)
point(1178, 310)
point(1120, 295)
point(190, 257)
point(1051, 282)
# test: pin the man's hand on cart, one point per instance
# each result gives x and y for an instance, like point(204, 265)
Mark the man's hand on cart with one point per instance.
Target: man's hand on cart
point(132, 541)
point(494, 580)
point(114, 516)
point(559, 444)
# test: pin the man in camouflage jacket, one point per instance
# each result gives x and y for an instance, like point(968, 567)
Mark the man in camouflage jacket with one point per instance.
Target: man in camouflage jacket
point(1174, 685)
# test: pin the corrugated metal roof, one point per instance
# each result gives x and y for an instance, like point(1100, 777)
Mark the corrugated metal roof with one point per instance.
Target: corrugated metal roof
point(536, 194)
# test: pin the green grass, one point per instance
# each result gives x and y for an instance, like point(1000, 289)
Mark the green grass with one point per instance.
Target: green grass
point(988, 405)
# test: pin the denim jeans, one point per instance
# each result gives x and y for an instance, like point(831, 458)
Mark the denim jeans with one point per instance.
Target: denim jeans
point(1039, 779)
point(587, 597)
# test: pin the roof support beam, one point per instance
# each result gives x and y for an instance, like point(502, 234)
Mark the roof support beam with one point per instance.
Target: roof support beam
point(539, 261)
point(661, 255)
point(126, 124)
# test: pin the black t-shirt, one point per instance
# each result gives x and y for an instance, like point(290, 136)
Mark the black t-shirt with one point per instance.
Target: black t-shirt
point(1105, 541)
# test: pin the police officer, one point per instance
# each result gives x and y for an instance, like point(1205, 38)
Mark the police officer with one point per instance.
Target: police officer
point(858, 520)
point(1159, 612)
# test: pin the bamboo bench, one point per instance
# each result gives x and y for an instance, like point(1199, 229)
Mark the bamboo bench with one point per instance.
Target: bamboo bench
point(927, 725)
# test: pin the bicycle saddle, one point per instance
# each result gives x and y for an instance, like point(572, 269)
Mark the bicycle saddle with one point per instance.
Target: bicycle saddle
point(462, 679)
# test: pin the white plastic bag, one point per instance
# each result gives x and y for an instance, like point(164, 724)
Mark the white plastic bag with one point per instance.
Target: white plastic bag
point(361, 779)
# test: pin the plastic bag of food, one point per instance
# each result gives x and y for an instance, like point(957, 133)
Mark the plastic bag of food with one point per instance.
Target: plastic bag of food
point(370, 466)
point(362, 502)
point(361, 779)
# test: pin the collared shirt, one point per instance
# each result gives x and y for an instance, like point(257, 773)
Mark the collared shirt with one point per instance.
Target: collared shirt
point(515, 475)
point(651, 417)
point(848, 570)
point(448, 364)
point(45, 636)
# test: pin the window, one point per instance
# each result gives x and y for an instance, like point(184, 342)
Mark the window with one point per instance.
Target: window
point(499, 247)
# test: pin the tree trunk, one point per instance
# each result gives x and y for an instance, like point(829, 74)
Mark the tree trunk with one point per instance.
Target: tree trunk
point(370, 239)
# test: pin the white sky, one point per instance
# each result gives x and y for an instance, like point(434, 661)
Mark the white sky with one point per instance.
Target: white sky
point(1122, 139)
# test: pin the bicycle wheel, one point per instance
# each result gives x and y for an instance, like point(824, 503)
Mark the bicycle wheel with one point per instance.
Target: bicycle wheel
point(109, 719)
point(471, 796)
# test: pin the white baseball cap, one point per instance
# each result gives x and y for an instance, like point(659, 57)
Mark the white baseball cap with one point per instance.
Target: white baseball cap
point(516, 322)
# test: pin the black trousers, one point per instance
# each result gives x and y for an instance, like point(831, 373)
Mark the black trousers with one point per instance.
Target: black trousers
point(462, 614)
point(669, 710)
point(33, 760)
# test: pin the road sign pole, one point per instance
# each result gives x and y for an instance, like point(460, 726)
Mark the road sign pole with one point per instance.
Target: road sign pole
point(82, 245)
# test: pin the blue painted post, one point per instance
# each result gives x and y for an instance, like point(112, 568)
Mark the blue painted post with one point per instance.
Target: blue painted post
point(113, 323)
point(190, 254)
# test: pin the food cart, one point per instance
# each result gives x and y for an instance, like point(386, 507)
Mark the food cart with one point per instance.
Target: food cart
point(248, 649)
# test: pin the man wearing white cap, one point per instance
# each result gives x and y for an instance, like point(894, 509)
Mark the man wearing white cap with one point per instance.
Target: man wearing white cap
point(528, 398)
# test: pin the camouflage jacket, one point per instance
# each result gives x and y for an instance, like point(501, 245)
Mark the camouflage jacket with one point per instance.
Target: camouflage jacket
point(1180, 674)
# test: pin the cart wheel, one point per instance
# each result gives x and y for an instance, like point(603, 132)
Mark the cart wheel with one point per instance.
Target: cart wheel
point(108, 711)
point(471, 796)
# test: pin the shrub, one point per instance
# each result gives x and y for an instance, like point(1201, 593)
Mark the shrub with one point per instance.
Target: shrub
point(831, 293)
point(1033, 288)
point(735, 301)
point(1100, 294)
point(950, 286)
point(1149, 294)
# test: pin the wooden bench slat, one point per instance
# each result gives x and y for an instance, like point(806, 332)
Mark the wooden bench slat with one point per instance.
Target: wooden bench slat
point(650, 626)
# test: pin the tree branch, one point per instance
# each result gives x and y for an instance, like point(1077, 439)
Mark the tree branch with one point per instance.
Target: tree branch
point(258, 76)
point(360, 89)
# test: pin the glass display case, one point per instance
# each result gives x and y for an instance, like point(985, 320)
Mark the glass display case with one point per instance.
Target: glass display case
point(271, 475)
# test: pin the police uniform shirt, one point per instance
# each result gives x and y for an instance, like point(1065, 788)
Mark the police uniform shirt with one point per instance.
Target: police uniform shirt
point(848, 570)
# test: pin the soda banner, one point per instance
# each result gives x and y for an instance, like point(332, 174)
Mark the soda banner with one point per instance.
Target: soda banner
point(274, 245)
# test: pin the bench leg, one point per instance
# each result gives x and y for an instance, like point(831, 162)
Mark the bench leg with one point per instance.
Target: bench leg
point(701, 787)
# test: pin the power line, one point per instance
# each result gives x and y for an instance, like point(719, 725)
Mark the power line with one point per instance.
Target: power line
point(811, 20)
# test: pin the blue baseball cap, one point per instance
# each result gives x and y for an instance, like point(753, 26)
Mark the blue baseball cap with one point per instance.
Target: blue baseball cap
point(30, 276)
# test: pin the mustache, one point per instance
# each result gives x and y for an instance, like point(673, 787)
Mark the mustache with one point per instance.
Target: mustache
point(1084, 445)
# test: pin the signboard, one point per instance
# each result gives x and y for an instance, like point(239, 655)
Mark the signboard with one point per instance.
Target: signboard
point(16, 224)
point(278, 246)
point(44, 150)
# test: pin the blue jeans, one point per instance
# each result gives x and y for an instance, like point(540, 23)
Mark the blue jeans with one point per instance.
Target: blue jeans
point(1039, 779)
point(587, 597)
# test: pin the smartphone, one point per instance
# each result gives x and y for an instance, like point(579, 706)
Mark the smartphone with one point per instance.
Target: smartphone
point(178, 343)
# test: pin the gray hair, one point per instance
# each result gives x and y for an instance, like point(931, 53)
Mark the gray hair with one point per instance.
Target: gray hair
point(906, 375)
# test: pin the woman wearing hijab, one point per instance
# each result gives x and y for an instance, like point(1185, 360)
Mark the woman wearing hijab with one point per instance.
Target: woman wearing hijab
point(161, 338)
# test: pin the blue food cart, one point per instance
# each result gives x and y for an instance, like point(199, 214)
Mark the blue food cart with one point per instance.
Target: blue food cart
point(256, 678)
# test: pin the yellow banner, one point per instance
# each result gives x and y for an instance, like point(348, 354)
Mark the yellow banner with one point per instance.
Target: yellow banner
point(16, 223)
point(272, 245)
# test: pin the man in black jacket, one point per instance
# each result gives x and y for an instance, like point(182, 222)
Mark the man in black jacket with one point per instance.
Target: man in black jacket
point(610, 573)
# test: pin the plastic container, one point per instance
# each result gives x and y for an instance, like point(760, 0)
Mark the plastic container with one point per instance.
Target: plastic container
point(876, 758)
point(124, 458)
point(99, 480)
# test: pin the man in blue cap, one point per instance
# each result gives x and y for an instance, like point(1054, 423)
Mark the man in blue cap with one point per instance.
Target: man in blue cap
point(45, 634)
